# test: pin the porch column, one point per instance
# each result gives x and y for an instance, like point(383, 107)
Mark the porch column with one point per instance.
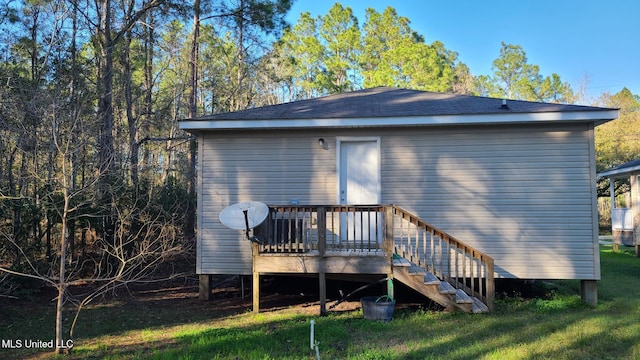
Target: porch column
point(612, 190)
point(589, 292)
point(635, 210)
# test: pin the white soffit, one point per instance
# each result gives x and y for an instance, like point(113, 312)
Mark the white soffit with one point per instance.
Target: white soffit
point(568, 116)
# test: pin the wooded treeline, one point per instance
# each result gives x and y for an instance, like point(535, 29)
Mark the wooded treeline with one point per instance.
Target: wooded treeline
point(91, 157)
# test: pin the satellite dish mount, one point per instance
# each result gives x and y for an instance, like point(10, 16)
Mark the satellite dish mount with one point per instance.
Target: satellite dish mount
point(248, 230)
point(245, 216)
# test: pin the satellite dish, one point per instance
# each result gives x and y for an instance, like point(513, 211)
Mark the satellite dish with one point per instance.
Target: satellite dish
point(244, 216)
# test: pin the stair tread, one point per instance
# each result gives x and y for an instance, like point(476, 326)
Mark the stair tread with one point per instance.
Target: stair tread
point(446, 288)
point(430, 279)
point(401, 262)
point(479, 306)
point(462, 297)
point(416, 270)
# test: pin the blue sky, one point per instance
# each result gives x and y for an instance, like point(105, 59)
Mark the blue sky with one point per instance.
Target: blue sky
point(599, 40)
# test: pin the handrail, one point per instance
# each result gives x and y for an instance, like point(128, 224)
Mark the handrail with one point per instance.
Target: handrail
point(462, 265)
point(380, 230)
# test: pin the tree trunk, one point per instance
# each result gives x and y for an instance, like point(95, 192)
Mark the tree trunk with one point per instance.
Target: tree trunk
point(62, 281)
point(149, 47)
point(59, 319)
point(48, 237)
point(105, 107)
point(71, 241)
point(190, 221)
point(106, 166)
point(132, 120)
point(193, 86)
point(239, 73)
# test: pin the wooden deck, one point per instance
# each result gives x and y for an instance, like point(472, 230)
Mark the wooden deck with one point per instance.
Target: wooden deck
point(372, 239)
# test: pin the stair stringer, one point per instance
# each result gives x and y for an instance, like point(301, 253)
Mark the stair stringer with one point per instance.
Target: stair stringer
point(414, 277)
point(416, 282)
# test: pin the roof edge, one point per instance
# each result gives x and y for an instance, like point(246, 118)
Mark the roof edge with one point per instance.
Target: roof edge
point(613, 172)
point(595, 116)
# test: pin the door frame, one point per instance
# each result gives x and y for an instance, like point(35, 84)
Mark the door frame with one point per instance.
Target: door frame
point(347, 139)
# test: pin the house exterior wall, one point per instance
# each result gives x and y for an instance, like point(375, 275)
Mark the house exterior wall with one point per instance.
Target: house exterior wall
point(524, 194)
point(271, 167)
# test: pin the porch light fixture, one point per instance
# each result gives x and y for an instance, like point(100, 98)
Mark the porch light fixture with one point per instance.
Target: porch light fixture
point(322, 144)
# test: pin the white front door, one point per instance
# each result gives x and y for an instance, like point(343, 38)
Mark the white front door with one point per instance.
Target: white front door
point(359, 184)
point(359, 172)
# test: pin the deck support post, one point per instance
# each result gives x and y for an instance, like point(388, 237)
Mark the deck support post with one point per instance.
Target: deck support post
point(589, 292)
point(256, 279)
point(322, 242)
point(204, 287)
point(387, 245)
point(387, 220)
point(491, 284)
point(322, 279)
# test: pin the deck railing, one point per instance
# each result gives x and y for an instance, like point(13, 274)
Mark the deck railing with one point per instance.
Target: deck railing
point(379, 230)
point(341, 228)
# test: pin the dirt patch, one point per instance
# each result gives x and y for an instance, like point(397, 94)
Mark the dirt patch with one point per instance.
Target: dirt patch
point(297, 294)
point(277, 293)
point(228, 296)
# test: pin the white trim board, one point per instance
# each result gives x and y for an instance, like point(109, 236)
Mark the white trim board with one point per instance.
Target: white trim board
point(513, 118)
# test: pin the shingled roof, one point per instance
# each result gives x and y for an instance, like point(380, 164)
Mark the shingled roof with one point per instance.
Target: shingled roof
point(366, 108)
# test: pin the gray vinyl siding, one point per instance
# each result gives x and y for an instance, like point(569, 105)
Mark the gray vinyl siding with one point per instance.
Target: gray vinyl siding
point(271, 167)
point(522, 193)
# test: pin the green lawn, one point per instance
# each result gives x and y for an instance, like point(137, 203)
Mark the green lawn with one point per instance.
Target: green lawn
point(557, 327)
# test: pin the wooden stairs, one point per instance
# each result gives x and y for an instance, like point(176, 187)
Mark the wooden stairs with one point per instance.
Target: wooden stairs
point(435, 289)
point(331, 239)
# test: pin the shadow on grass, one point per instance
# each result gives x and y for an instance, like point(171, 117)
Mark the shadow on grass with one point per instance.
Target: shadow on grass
point(574, 333)
point(557, 327)
point(128, 327)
